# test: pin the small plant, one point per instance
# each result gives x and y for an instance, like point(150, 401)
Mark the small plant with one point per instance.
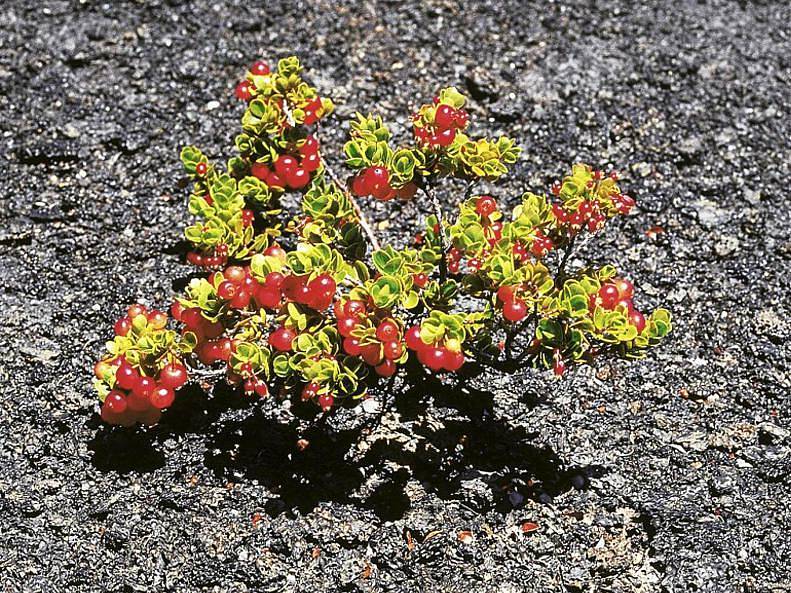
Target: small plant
point(312, 306)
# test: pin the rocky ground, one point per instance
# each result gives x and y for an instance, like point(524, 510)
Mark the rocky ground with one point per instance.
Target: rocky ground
point(670, 474)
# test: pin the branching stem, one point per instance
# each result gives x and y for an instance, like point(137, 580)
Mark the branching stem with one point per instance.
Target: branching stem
point(435, 205)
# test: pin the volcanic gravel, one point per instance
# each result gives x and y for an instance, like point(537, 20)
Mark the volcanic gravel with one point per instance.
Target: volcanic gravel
point(667, 474)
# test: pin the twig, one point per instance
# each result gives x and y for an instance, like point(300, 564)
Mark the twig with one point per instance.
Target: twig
point(443, 264)
point(357, 210)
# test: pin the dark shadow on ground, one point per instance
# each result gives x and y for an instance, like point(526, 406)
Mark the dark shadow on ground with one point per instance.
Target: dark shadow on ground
point(307, 460)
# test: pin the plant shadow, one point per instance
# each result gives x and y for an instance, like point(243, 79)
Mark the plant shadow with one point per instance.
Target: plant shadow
point(448, 440)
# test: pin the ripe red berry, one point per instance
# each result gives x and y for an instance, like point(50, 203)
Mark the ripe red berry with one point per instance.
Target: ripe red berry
point(241, 299)
point(514, 310)
point(277, 251)
point(352, 346)
point(261, 388)
point(115, 402)
point(310, 146)
point(485, 205)
point(192, 318)
point(392, 349)
point(310, 391)
point(281, 339)
point(227, 290)
point(126, 376)
point(201, 168)
point(412, 338)
point(260, 68)
point(608, 294)
point(260, 171)
point(144, 387)
point(176, 309)
point(372, 354)
point(432, 357)
point(624, 287)
point(122, 326)
point(326, 401)
point(297, 178)
point(445, 116)
point(376, 177)
point(505, 294)
point(637, 319)
point(453, 360)
point(284, 165)
point(242, 91)
point(446, 137)
point(359, 186)
point(267, 297)
point(386, 368)
point(135, 310)
point(387, 331)
point(310, 162)
point(276, 181)
point(420, 280)
point(454, 266)
point(346, 325)
point(172, 376)
point(559, 366)
point(461, 119)
point(162, 397)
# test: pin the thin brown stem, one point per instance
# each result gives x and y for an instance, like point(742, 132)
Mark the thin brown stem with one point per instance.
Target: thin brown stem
point(357, 210)
point(435, 205)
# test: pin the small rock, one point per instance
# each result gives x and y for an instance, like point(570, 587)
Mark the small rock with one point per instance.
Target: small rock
point(726, 245)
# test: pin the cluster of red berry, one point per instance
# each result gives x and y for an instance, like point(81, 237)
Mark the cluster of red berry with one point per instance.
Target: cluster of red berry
point(375, 182)
point(135, 396)
point(442, 132)
point(380, 354)
point(216, 259)
point(243, 91)
point(618, 293)
point(446, 355)
point(514, 308)
point(290, 170)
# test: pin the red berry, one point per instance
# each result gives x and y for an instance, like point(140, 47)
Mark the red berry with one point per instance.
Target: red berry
point(101, 368)
point(392, 349)
point(412, 338)
point(420, 280)
point(625, 288)
point(310, 391)
point(176, 310)
point(505, 294)
point(249, 386)
point(352, 346)
point(144, 387)
point(275, 180)
point(126, 377)
point(359, 186)
point(453, 266)
point(284, 165)
point(115, 402)
point(201, 168)
point(172, 376)
point(192, 318)
point(386, 368)
point(446, 137)
point(559, 367)
point(261, 388)
point(267, 297)
point(637, 319)
point(297, 178)
point(372, 354)
point(274, 280)
point(608, 294)
point(461, 119)
point(354, 309)
point(135, 310)
point(162, 397)
point(242, 299)
point(310, 162)
point(242, 91)
point(485, 205)
point(311, 146)
point(281, 339)
point(260, 68)
point(326, 401)
point(432, 357)
point(277, 251)
point(346, 326)
point(375, 178)
point(514, 310)
point(453, 360)
point(387, 330)
point(445, 116)
point(122, 326)
point(227, 290)
point(260, 171)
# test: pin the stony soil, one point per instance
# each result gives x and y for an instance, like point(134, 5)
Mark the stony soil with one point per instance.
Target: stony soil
point(669, 474)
